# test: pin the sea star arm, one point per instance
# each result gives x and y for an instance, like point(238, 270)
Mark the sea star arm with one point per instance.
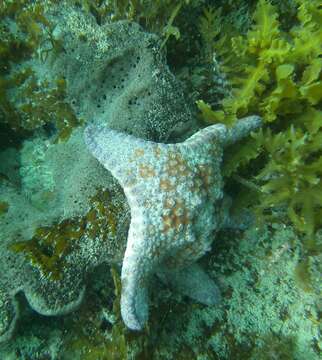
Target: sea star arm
point(128, 158)
point(137, 264)
point(193, 282)
point(241, 129)
point(224, 135)
point(116, 151)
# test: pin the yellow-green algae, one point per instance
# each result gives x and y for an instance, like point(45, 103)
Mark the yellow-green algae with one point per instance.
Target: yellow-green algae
point(48, 247)
point(51, 244)
point(276, 74)
point(154, 15)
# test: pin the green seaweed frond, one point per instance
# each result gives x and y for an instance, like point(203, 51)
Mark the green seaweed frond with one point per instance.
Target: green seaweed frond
point(292, 175)
point(155, 16)
point(215, 55)
point(210, 26)
point(278, 77)
point(271, 60)
point(250, 76)
point(41, 104)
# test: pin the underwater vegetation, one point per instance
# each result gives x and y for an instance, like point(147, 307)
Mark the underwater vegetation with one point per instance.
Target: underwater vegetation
point(50, 245)
point(276, 74)
point(155, 16)
point(26, 102)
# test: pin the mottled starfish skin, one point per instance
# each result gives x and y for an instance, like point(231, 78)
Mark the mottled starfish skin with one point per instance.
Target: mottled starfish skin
point(175, 195)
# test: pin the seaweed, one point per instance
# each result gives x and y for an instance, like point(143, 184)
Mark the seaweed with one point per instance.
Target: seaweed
point(43, 103)
point(48, 248)
point(155, 16)
point(276, 74)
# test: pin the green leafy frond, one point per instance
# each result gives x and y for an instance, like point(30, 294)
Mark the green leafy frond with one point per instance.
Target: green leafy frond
point(292, 176)
point(308, 35)
point(210, 26)
point(246, 90)
point(241, 156)
point(278, 76)
point(265, 29)
point(284, 94)
point(210, 115)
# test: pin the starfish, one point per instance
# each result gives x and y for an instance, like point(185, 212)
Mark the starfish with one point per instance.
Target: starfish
point(176, 199)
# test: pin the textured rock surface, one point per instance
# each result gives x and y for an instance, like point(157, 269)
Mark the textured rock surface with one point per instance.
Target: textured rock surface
point(176, 200)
